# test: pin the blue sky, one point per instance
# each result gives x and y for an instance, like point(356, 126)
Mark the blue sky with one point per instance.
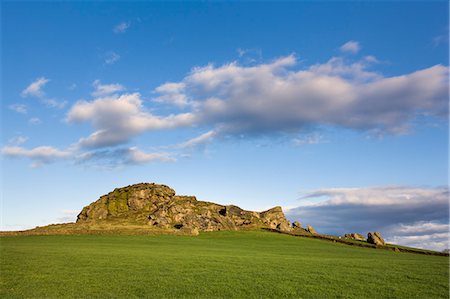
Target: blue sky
point(317, 107)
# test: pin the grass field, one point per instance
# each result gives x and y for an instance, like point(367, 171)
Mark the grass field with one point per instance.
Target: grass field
point(246, 264)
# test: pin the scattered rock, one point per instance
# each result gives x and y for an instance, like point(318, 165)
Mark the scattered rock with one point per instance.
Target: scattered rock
point(296, 224)
point(375, 238)
point(311, 230)
point(355, 236)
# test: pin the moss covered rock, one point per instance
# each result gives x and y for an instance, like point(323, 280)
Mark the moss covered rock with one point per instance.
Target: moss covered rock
point(158, 206)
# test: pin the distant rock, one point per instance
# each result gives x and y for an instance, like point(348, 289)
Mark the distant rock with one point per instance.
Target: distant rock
point(375, 238)
point(296, 224)
point(311, 230)
point(159, 207)
point(355, 236)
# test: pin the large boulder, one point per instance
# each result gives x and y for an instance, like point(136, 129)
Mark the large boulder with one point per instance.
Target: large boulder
point(375, 238)
point(158, 206)
point(311, 230)
point(274, 218)
point(296, 224)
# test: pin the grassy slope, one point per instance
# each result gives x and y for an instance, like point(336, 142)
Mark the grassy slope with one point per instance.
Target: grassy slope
point(218, 264)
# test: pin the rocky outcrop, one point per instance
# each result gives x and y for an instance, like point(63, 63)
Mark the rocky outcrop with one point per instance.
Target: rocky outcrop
point(355, 236)
point(375, 238)
point(158, 206)
point(296, 224)
point(311, 230)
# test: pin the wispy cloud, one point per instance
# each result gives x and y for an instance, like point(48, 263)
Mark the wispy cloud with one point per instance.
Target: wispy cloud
point(311, 138)
point(18, 140)
point(122, 27)
point(35, 89)
point(352, 47)
point(111, 57)
point(34, 121)
point(39, 155)
point(19, 108)
point(199, 140)
point(106, 89)
point(120, 157)
point(52, 103)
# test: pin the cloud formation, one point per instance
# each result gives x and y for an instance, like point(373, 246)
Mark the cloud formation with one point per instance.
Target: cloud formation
point(39, 155)
point(18, 140)
point(122, 27)
point(19, 108)
point(352, 47)
point(111, 57)
point(270, 98)
point(277, 97)
point(118, 118)
point(111, 158)
point(35, 89)
point(35, 121)
point(105, 89)
point(400, 213)
point(119, 157)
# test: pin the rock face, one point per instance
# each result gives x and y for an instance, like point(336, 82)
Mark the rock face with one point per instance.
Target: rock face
point(375, 238)
point(355, 236)
point(296, 224)
point(158, 206)
point(311, 230)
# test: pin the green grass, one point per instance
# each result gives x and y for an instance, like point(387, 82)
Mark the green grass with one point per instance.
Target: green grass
point(246, 264)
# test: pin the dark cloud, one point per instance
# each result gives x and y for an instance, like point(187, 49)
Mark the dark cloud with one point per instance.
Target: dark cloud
point(401, 214)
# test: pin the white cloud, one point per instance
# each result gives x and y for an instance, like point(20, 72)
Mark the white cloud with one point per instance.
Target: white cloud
point(111, 57)
point(352, 47)
point(172, 93)
point(422, 227)
point(52, 103)
point(35, 88)
point(199, 140)
point(105, 89)
point(435, 241)
point(39, 155)
point(271, 98)
point(18, 140)
point(19, 108)
point(312, 138)
point(34, 121)
point(136, 156)
point(118, 157)
point(119, 118)
point(121, 27)
point(411, 216)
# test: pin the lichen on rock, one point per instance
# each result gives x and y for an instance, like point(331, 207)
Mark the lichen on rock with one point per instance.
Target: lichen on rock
point(158, 206)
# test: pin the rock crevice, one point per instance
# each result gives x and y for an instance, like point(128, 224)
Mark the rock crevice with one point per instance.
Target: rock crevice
point(159, 206)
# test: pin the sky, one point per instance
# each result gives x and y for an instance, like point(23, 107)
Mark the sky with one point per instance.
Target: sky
point(336, 111)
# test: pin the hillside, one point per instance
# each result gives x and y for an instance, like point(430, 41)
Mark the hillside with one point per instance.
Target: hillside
point(220, 264)
point(153, 209)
